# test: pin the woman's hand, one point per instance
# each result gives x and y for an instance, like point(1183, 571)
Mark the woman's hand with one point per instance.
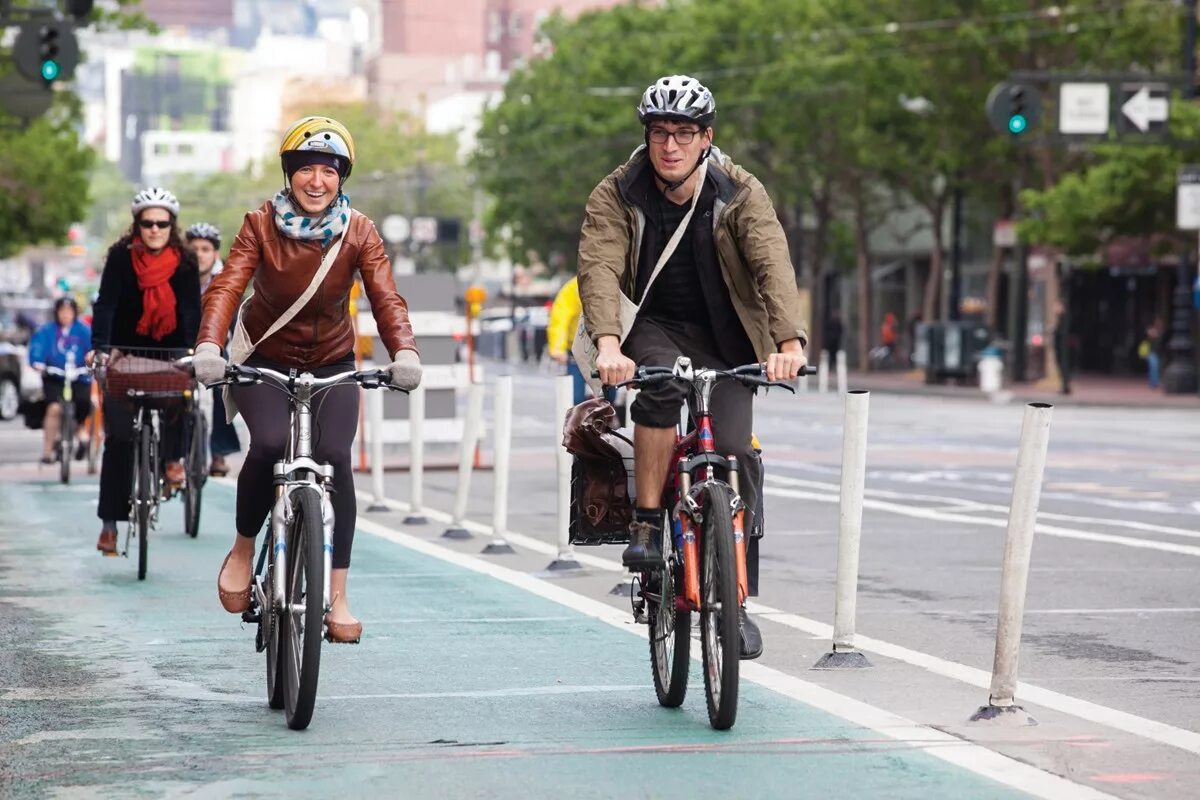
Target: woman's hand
point(208, 363)
point(405, 370)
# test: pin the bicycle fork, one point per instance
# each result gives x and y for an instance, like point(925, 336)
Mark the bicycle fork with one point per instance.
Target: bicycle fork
point(281, 514)
point(689, 513)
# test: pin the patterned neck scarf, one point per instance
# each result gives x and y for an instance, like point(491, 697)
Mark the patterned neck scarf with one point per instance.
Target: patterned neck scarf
point(297, 225)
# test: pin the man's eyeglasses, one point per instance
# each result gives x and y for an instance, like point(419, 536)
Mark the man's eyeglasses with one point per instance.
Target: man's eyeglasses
point(682, 136)
point(161, 224)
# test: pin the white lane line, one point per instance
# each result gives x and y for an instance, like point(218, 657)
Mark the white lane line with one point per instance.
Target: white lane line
point(1045, 530)
point(964, 504)
point(950, 749)
point(1103, 715)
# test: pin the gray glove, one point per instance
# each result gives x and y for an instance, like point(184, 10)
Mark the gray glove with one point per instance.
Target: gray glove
point(405, 371)
point(208, 363)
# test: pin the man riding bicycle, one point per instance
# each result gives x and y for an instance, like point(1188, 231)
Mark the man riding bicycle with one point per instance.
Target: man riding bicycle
point(725, 296)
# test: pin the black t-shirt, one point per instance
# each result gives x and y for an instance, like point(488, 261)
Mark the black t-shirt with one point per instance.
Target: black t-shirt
point(676, 293)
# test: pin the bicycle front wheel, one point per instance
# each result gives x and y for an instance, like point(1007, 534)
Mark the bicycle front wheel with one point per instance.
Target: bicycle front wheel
point(197, 473)
point(719, 608)
point(302, 618)
point(66, 437)
point(145, 490)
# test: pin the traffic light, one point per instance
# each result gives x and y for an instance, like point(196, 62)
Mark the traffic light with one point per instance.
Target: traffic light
point(46, 50)
point(1014, 109)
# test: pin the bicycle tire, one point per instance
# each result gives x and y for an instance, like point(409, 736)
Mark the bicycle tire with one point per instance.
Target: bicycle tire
point(96, 423)
point(305, 582)
point(269, 628)
point(719, 608)
point(196, 474)
point(670, 640)
point(144, 494)
point(65, 440)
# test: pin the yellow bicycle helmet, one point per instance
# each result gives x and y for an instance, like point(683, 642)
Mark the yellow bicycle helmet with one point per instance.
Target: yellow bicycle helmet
point(319, 135)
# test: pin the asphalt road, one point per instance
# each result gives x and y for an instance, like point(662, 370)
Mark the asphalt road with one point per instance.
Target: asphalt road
point(480, 676)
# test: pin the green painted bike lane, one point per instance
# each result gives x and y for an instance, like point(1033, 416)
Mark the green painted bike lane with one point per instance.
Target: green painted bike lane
point(464, 686)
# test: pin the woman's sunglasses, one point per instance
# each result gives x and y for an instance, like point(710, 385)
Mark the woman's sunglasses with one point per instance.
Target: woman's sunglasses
point(147, 224)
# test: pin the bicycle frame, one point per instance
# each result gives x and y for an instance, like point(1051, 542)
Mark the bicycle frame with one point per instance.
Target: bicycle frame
point(695, 451)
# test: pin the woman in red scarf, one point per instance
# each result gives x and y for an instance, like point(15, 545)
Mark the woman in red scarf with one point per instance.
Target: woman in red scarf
point(149, 297)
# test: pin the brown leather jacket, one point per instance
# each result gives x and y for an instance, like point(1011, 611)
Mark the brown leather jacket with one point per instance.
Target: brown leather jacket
point(282, 268)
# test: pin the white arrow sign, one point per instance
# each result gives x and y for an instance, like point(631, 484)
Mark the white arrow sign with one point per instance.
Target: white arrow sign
point(1142, 109)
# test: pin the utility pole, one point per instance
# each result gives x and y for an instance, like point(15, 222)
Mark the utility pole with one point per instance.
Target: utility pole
point(955, 293)
point(1179, 377)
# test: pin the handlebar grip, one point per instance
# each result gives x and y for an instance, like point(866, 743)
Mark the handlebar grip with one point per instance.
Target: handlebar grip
point(809, 370)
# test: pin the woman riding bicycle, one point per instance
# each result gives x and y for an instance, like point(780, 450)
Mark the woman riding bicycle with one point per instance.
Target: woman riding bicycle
point(149, 298)
point(280, 248)
point(205, 241)
point(51, 346)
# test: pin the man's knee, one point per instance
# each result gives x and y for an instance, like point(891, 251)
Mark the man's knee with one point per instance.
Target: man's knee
point(658, 406)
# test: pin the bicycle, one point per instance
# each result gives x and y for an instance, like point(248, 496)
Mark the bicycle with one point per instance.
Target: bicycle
point(704, 550)
point(284, 594)
point(154, 380)
point(66, 427)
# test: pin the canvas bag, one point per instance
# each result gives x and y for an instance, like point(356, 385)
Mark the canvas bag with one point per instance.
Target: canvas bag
point(584, 349)
point(240, 346)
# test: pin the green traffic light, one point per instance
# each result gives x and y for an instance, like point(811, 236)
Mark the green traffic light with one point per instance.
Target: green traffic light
point(49, 69)
point(1017, 123)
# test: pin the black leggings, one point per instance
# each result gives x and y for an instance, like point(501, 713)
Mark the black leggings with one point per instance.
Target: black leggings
point(116, 465)
point(335, 421)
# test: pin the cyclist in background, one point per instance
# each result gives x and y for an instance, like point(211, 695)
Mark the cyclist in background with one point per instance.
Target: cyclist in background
point(50, 346)
point(280, 248)
point(149, 297)
point(730, 273)
point(205, 241)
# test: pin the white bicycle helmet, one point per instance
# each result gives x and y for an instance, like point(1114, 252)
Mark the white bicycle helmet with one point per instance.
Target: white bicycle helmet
point(677, 98)
point(155, 197)
point(204, 230)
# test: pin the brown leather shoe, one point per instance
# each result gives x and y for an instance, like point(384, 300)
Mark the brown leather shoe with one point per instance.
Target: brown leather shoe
point(107, 543)
point(233, 602)
point(174, 473)
point(342, 632)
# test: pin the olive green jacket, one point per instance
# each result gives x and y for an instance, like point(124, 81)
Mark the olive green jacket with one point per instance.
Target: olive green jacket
point(751, 250)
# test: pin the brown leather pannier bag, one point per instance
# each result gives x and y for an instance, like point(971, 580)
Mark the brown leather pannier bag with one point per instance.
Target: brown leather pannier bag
point(601, 506)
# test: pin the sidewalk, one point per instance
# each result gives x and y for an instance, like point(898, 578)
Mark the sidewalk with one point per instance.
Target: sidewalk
point(1086, 390)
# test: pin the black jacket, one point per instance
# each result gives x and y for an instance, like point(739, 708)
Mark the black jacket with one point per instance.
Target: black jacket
point(119, 307)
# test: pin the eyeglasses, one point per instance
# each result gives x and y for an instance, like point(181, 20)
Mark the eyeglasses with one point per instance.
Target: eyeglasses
point(161, 224)
point(681, 136)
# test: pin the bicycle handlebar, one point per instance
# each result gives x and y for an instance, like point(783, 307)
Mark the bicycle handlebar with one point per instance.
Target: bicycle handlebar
point(748, 374)
point(239, 374)
point(76, 373)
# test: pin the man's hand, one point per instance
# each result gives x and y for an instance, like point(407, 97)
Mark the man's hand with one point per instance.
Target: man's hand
point(559, 358)
point(787, 363)
point(614, 367)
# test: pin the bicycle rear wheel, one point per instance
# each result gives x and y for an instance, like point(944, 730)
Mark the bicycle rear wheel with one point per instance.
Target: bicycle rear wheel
point(303, 617)
point(719, 608)
point(66, 436)
point(196, 470)
point(269, 629)
point(144, 494)
point(670, 631)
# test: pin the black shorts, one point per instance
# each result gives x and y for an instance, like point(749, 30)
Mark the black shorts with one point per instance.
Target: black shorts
point(52, 388)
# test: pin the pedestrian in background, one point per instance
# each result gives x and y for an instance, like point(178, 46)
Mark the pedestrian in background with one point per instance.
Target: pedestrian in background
point(1148, 350)
point(831, 335)
point(564, 319)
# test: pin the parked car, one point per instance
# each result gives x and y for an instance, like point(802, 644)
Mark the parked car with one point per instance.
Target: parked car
point(11, 367)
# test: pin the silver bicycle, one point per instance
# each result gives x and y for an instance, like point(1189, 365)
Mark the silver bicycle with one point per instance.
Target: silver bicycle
point(285, 598)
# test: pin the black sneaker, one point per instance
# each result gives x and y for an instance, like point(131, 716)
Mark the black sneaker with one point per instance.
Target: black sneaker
point(749, 636)
point(644, 552)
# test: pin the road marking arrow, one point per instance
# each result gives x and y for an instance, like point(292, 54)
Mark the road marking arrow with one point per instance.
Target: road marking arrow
point(1142, 109)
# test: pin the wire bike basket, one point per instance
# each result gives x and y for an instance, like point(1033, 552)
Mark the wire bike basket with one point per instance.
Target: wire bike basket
point(147, 373)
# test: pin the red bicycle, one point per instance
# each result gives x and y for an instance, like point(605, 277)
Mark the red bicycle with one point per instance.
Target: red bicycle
point(704, 549)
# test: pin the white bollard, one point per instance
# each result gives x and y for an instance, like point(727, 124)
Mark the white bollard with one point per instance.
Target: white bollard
point(416, 471)
point(1014, 577)
point(841, 372)
point(566, 561)
point(375, 433)
point(503, 433)
point(466, 459)
point(854, 476)
point(823, 373)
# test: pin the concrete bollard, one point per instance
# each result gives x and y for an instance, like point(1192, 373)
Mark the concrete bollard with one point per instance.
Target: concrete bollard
point(841, 372)
point(466, 457)
point(1002, 707)
point(854, 475)
point(375, 432)
point(416, 472)
point(565, 562)
point(503, 451)
point(823, 373)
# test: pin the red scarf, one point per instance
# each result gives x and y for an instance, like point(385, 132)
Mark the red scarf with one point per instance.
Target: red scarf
point(154, 271)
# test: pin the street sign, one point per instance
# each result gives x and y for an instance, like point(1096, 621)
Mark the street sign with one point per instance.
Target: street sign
point(395, 228)
point(1187, 198)
point(1145, 108)
point(1004, 233)
point(23, 99)
point(1083, 108)
point(425, 230)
